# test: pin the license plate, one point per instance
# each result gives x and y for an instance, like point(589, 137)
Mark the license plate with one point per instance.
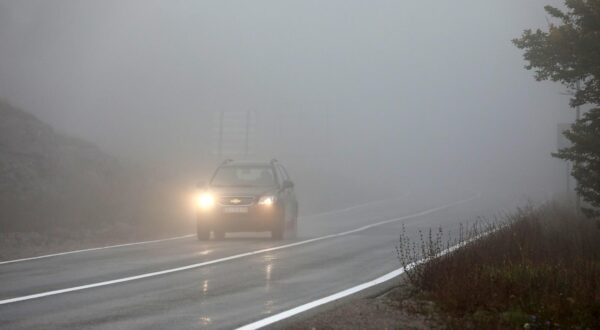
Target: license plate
point(235, 209)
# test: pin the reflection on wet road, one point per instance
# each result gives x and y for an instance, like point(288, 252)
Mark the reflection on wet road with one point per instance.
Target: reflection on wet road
point(222, 295)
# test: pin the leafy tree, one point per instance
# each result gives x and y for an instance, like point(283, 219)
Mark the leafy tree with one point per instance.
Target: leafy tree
point(569, 53)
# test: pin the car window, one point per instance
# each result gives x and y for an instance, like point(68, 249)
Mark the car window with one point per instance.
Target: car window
point(246, 176)
point(286, 176)
point(280, 175)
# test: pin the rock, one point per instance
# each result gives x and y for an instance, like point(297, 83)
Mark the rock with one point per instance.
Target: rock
point(48, 178)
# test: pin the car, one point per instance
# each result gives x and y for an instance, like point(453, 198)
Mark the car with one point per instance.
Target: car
point(244, 196)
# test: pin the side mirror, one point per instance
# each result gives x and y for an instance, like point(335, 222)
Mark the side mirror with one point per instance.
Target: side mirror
point(287, 184)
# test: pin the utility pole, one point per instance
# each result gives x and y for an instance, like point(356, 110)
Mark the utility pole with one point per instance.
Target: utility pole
point(561, 143)
point(568, 179)
point(247, 143)
point(577, 117)
point(220, 150)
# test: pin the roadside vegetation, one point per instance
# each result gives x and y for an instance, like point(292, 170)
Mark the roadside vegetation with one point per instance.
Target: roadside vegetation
point(567, 51)
point(538, 269)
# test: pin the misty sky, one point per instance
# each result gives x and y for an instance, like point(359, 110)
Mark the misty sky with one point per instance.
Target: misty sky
point(432, 89)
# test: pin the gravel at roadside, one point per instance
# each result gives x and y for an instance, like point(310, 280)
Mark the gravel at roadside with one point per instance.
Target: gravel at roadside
point(396, 309)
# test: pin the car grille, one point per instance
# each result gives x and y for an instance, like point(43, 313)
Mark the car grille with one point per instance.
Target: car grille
point(236, 201)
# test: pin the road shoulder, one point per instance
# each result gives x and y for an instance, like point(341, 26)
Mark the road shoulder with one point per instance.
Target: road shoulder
point(398, 307)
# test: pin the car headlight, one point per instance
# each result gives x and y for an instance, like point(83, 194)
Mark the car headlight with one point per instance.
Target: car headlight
point(206, 201)
point(267, 200)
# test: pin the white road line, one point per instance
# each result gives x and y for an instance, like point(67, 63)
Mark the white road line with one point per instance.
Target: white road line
point(181, 237)
point(95, 249)
point(303, 308)
point(237, 256)
point(313, 304)
point(360, 205)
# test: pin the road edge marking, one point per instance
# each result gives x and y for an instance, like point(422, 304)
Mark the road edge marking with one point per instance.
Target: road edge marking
point(233, 257)
point(95, 249)
point(346, 209)
point(348, 292)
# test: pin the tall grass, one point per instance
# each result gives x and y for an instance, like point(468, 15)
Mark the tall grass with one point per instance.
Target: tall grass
point(539, 267)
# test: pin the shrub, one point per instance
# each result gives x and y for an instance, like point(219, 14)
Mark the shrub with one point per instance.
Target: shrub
point(543, 263)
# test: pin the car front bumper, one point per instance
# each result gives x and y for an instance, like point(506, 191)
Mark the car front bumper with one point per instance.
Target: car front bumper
point(258, 218)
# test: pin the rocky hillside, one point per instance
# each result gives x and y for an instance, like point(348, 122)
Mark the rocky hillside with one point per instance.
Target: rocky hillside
point(49, 180)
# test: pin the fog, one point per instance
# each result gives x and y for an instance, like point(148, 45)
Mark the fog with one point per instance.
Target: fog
point(389, 96)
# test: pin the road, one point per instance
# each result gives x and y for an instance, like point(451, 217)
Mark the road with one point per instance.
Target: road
point(187, 284)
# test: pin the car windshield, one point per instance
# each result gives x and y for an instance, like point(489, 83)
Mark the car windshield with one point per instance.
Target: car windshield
point(245, 176)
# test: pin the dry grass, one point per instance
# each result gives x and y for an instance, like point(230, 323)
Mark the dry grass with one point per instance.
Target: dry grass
point(539, 268)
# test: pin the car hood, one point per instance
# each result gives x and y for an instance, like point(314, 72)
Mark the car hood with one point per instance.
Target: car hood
point(242, 191)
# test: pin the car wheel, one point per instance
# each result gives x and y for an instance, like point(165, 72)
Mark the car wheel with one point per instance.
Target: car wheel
point(202, 232)
point(278, 228)
point(219, 234)
point(293, 230)
point(277, 233)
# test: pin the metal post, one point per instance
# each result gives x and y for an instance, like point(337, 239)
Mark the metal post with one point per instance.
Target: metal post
point(577, 117)
point(327, 132)
point(568, 179)
point(578, 86)
point(246, 147)
point(221, 114)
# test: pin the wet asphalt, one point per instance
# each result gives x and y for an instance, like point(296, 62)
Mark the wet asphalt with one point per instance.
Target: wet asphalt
point(225, 294)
